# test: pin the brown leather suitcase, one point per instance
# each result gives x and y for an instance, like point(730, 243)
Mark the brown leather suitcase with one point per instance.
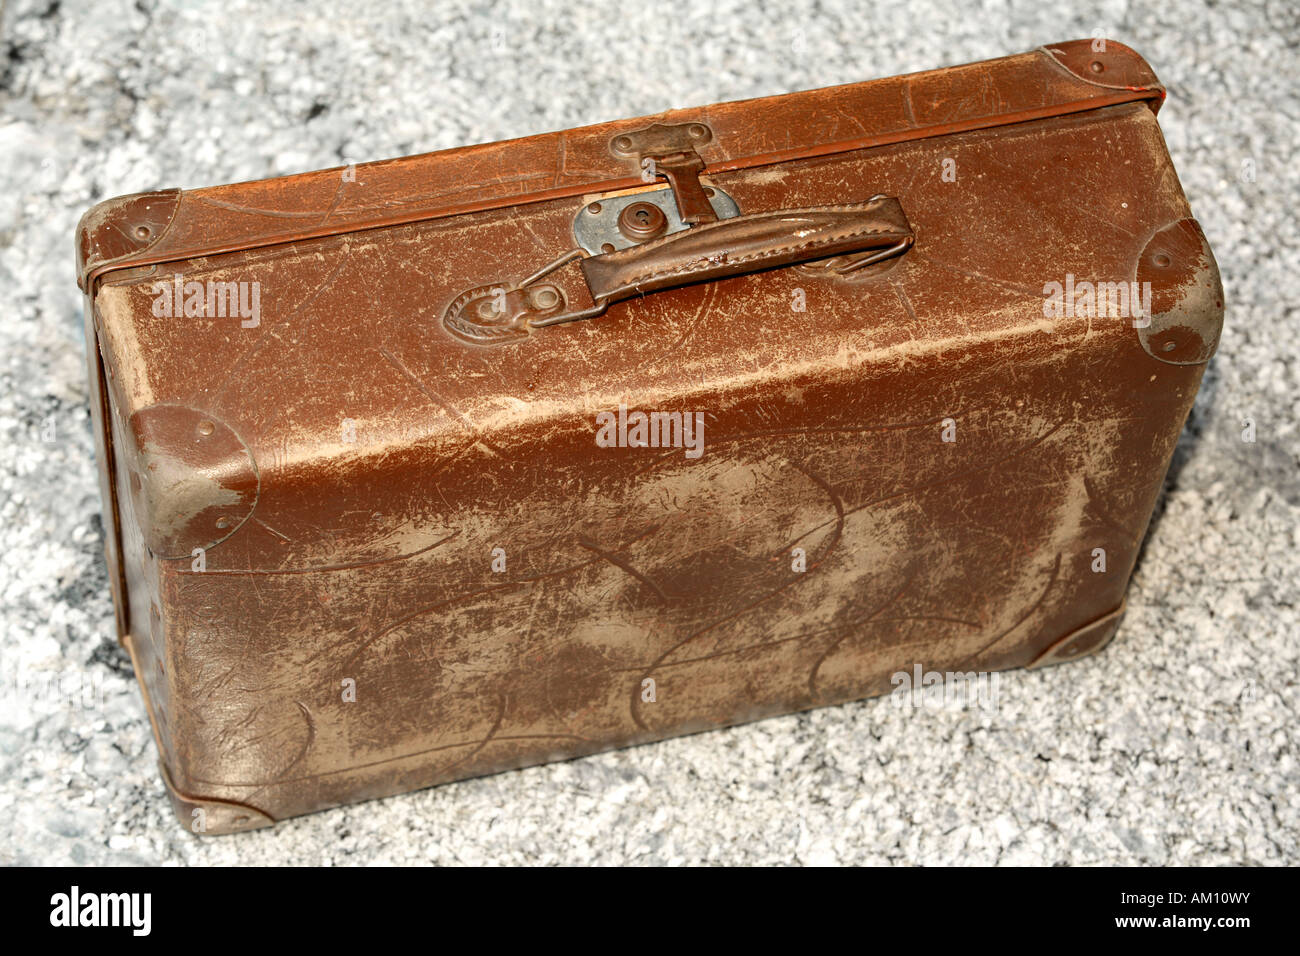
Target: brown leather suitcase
point(430, 468)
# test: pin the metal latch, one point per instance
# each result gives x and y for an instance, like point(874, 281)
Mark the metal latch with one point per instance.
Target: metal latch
point(670, 152)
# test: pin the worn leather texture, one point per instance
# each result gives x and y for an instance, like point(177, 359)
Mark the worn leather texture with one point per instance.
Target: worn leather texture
point(943, 458)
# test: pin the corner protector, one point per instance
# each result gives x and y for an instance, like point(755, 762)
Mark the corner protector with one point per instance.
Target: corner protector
point(192, 479)
point(1186, 309)
point(1115, 67)
point(120, 229)
point(1082, 641)
point(205, 816)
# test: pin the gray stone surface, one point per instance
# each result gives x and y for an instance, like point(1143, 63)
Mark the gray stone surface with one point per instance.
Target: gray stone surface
point(1177, 745)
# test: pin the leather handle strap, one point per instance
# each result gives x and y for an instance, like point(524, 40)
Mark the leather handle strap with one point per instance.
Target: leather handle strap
point(749, 243)
point(865, 232)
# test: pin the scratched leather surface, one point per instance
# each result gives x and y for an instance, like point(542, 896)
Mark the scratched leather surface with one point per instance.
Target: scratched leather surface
point(371, 560)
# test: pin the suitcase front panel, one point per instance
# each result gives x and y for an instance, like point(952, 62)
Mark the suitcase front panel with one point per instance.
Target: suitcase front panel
point(424, 560)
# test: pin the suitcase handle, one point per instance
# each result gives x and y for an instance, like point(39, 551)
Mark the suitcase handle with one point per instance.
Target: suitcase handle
point(866, 232)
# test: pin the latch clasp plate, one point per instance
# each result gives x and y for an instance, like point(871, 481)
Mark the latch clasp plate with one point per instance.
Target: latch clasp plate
point(599, 226)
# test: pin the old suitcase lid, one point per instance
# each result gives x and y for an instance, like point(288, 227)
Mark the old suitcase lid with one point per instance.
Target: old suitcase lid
point(174, 225)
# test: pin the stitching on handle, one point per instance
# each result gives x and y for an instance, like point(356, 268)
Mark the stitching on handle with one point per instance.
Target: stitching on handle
point(765, 254)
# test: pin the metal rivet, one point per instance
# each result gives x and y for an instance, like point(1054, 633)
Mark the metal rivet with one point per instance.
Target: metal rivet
point(142, 232)
point(1162, 260)
point(594, 208)
point(1097, 66)
point(607, 247)
point(223, 522)
point(623, 143)
point(1169, 346)
point(545, 298)
point(205, 427)
point(698, 131)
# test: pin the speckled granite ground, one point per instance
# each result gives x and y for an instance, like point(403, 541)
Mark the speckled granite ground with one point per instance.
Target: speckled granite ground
point(1177, 745)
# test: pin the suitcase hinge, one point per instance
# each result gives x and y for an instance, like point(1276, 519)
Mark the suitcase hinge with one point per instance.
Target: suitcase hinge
point(670, 152)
